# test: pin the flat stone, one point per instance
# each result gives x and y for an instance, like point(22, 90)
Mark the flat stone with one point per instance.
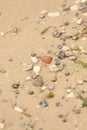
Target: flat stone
point(74, 8)
point(53, 14)
point(38, 81)
point(53, 68)
point(73, 58)
point(68, 53)
point(53, 77)
point(51, 86)
point(47, 59)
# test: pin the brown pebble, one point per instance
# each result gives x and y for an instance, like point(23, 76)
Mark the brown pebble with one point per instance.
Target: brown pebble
point(47, 59)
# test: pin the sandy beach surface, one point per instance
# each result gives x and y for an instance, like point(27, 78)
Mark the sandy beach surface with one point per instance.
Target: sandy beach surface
point(43, 65)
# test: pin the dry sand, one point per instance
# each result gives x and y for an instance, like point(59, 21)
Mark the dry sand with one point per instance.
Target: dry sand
point(15, 50)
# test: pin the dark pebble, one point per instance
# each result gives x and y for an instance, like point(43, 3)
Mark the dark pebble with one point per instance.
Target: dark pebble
point(30, 92)
point(15, 86)
point(61, 55)
point(43, 103)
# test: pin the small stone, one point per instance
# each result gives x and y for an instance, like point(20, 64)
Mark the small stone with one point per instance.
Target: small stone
point(42, 16)
point(56, 34)
point(80, 82)
point(64, 120)
point(57, 104)
point(44, 103)
point(65, 48)
point(75, 47)
point(38, 81)
point(66, 23)
point(53, 77)
point(37, 69)
point(71, 95)
point(34, 59)
point(53, 14)
point(61, 55)
point(53, 68)
point(69, 53)
point(74, 8)
point(57, 62)
point(30, 92)
point(43, 88)
point(28, 78)
point(30, 67)
point(47, 59)
point(16, 86)
point(73, 58)
point(51, 86)
point(79, 21)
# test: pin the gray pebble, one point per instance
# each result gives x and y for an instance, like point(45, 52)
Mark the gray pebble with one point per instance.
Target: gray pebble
point(61, 55)
point(38, 81)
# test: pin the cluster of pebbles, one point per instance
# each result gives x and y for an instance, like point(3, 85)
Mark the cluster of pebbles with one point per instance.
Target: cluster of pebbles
point(55, 63)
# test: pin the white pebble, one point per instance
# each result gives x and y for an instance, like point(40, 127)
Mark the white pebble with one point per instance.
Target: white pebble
point(36, 69)
point(18, 109)
point(34, 59)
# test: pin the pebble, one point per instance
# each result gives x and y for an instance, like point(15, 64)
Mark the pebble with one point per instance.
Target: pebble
point(28, 78)
point(61, 55)
point(34, 59)
point(53, 68)
point(38, 81)
point(53, 77)
point(16, 86)
point(47, 59)
point(71, 95)
point(43, 103)
point(30, 92)
point(56, 34)
point(76, 111)
point(74, 8)
point(69, 53)
point(51, 86)
point(37, 69)
point(30, 67)
point(57, 62)
point(57, 104)
point(79, 21)
point(53, 14)
point(80, 82)
point(73, 58)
